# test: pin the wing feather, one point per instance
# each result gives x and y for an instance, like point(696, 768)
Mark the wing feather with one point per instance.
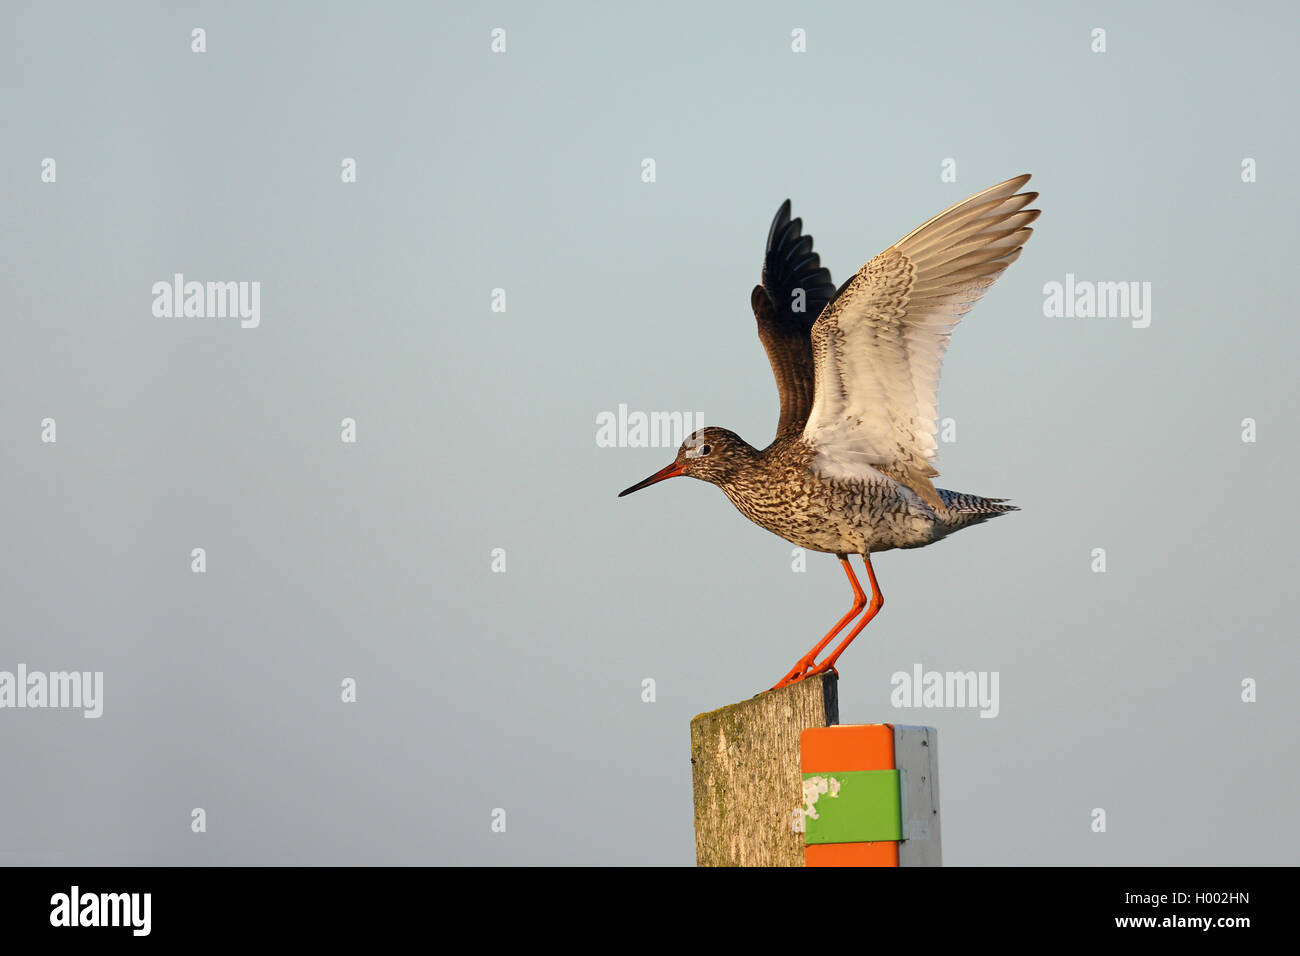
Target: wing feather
point(878, 346)
point(795, 289)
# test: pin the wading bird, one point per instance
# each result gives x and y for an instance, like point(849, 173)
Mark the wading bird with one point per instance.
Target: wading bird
point(857, 369)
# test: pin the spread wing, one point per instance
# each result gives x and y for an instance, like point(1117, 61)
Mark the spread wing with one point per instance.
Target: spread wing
point(795, 289)
point(879, 345)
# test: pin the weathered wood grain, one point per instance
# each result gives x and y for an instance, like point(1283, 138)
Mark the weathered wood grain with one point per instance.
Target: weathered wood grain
point(746, 776)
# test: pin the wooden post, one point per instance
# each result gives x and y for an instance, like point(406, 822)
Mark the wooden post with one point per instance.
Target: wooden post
point(746, 775)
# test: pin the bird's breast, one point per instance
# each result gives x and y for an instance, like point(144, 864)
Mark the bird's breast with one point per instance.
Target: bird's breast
point(836, 516)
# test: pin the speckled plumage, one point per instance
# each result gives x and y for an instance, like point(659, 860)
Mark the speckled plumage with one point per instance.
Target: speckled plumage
point(778, 491)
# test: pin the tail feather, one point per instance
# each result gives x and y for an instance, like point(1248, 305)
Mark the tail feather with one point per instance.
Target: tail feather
point(964, 509)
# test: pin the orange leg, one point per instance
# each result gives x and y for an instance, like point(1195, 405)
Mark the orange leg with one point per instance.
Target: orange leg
point(798, 672)
point(877, 602)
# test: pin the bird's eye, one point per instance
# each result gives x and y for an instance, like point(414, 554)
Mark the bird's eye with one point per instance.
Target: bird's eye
point(705, 449)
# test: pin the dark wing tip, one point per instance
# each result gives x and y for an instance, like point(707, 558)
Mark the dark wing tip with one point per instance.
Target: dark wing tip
point(791, 263)
point(778, 222)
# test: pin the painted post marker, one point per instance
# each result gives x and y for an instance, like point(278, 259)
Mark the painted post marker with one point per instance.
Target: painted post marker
point(871, 795)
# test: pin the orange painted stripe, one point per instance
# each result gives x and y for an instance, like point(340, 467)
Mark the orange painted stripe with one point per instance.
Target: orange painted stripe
point(847, 747)
point(884, 853)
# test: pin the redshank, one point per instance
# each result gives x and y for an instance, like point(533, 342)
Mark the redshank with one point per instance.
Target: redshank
point(857, 369)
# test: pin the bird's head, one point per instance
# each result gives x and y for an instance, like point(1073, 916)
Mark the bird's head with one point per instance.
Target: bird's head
point(710, 454)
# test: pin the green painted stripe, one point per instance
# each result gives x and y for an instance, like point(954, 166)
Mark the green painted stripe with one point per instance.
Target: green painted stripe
point(855, 806)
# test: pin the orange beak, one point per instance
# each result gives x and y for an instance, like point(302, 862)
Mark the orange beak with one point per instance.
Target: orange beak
point(672, 471)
